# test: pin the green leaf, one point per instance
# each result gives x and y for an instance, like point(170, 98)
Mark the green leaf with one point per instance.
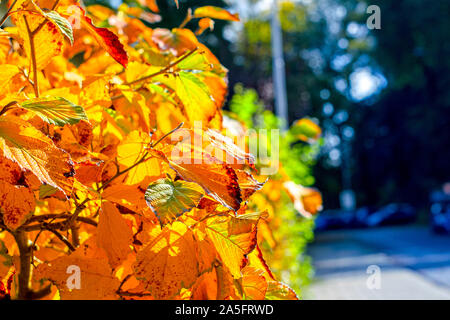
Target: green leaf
point(170, 199)
point(46, 190)
point(62, 23)
point(55, 110)
point(195, 62)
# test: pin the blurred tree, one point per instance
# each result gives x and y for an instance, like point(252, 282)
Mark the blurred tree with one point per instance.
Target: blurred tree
point(403, 142)
point(381, 95)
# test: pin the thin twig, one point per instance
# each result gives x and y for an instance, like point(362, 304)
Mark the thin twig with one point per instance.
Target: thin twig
point(166, 135)
point(162, 71)
point(60, 237)
point(7, 107)
point(2, 21)
point(187, 19)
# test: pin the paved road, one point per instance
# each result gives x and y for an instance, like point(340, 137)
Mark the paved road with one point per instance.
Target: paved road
point(413, 262)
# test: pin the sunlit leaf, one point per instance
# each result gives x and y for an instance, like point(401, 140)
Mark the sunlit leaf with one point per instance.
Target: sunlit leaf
point(234, 239)
point(62, 23)
point(55, 110)
point(169, 262)
point(170, 199)
point(32, 150)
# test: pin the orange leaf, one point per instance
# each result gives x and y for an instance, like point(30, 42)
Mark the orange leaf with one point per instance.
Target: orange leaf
point(16, 204)
point(169, 262)
point(113, 234)
point(254, 284)
point(233, 238)
point(96, 279)
point(105, 38)
point(215, 13)
point(34, 151)
point(151, 4)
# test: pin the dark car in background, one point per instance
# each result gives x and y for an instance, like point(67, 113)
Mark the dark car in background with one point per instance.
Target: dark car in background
point(366, 217)
point(440, 211)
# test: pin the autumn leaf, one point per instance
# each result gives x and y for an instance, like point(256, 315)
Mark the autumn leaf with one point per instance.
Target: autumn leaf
point(151, 4)
point(248, 184)
point(306, 130)
point(215, 13)
point(234, 238)
point(96, 279)
point(55, 110)
point(63, 24)
point(193, 94)
point(40, 37)
point(32, 150)
point(254, 284)
point(16, 204)
point(307, 201)
point(279, 291)
point(203, 24)
point(113, 234)
point(128, 196)
point(170, 199)
point(218, 180)
point(169, 262)
point(105, 38)
point(133, 150)
point(8, 72)
point(206, 162)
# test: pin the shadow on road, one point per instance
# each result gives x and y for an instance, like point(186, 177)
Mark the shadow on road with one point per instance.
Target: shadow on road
point(414, 263)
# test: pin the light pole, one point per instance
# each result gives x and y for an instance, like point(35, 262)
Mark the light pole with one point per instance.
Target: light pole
point(279, 75)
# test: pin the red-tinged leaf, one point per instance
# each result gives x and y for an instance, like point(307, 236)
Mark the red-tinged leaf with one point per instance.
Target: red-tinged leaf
point(105, 38)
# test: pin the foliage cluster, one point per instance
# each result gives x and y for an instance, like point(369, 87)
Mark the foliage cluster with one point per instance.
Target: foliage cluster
point(96, 107)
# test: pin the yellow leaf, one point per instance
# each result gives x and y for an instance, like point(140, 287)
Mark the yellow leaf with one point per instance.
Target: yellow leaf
point(8, 72)
point(48, 41)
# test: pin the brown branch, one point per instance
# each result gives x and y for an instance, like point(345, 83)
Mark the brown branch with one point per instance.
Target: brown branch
point(33, 57)
point(61, 226)
point(60, 237)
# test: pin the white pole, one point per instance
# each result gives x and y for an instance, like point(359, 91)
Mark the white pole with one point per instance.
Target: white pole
point(279, 75)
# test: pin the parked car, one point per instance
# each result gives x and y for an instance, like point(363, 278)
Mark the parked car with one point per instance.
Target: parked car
point(394, 213)
point(366, 217)
point(440, 212)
